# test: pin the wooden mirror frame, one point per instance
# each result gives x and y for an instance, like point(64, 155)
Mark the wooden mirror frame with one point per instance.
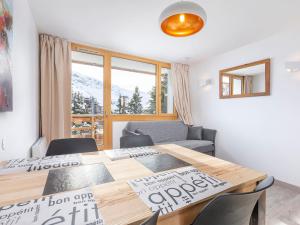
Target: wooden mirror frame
point(266, 62)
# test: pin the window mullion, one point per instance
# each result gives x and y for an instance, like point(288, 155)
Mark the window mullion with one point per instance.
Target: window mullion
point(158, 90)
point(107, 101)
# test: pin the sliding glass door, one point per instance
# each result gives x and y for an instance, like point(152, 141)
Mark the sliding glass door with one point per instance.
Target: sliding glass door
point(88, 96)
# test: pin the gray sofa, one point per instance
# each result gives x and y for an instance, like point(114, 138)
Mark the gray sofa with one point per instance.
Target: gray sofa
point(173, 132)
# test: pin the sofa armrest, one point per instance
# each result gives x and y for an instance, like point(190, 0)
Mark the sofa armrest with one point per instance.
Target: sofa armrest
point(126, 132)
point(209, 134)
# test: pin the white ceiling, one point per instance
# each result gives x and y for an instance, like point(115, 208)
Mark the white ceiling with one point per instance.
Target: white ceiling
point(131, 26)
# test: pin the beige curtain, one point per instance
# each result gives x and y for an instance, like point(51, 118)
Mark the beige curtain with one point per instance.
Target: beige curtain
point(180, 83)
point(55, 59)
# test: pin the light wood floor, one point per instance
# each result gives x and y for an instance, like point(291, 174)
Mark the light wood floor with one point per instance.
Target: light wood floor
point(283, 204)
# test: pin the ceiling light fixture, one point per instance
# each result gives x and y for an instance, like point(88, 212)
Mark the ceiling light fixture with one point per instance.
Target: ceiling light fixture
point(182, 19)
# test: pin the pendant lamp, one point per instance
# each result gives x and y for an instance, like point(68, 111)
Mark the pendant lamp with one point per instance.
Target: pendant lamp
point(182, 19)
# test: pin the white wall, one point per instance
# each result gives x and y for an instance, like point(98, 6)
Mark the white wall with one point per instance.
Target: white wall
point(259, 132)
point(19, 128)
point(117, 132)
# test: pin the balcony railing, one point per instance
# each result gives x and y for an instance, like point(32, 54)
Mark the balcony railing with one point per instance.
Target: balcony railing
point(88, 126)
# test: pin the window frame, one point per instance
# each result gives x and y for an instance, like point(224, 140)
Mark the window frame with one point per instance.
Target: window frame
point(108, 116)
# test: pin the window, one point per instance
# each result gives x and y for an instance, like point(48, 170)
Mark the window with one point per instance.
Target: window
point(87, 96)
point(167, 101)
point(109, 86)
point(133, 88)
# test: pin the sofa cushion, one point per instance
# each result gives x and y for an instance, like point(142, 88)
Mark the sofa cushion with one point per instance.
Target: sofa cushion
point(194, 133)
point(197, 145)
point(161, 131)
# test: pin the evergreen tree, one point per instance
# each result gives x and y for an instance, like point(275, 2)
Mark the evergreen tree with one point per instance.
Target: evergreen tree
point(164, 92)
point(164, 100)
point(78, 103)
point(135, 105)
point(152, 101)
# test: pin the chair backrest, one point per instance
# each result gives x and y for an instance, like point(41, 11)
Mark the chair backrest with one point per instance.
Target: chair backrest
point(232, 208)
point(71, 146)
point(152, 220)
point(265, 184)
point(135, 141)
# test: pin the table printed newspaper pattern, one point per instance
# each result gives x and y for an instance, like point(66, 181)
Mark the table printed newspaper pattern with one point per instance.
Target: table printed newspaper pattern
point(126, 153)
point(173, 190)
point(69, 208)
point(38, 164)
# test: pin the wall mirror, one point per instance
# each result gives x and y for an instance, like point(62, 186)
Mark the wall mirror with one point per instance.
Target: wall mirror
point(249, 80)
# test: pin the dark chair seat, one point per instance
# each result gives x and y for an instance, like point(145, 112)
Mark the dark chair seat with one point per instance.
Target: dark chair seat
point(232, 208)
point(136, 141)
point(71, 146)
point(152, 220)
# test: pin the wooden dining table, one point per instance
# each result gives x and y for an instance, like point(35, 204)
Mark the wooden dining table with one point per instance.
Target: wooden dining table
point(119, 204)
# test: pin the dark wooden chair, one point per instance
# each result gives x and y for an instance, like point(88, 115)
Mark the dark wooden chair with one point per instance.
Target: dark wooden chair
point(71, 146)
point(232, 208)
point(152, 220)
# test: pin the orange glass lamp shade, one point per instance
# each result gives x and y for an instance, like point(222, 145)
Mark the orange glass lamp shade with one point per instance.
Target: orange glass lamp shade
point(182, 19)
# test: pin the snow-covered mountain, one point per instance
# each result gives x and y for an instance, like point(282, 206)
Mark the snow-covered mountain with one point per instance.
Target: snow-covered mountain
point(88, 86)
